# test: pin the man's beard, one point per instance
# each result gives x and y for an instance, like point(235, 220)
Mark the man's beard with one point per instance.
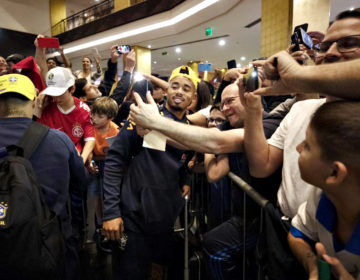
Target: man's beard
point(175, 108)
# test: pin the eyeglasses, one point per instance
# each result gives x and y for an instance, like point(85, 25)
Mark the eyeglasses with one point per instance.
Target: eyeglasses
point(218, 121)
point(227, 101)
point(345, 44)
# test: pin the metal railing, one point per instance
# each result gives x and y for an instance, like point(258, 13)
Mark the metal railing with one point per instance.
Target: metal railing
point(261, 201)
point(83, 17)
point(87, 15)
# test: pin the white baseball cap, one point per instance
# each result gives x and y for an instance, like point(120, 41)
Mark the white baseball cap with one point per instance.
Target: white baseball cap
point(58, 80)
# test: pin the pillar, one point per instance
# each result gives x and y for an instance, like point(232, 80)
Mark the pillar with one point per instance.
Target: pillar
point(121, 4)
point(279, 17)
point(57, 14)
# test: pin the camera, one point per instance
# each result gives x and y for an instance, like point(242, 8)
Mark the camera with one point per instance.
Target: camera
point(251, 79)
point(121, 49)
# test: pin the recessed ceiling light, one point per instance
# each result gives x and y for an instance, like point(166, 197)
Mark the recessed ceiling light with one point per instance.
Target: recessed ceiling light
point(243, 58)
point(149, 46)
point(155, 62)
point(351, 9)
point(238, 65)
point(179, 58)
point(178, 50)
point(85, 15)
point(222, 42)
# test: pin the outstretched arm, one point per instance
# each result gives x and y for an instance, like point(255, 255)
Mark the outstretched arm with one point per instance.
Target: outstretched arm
point(197, 138)
point(339, 79)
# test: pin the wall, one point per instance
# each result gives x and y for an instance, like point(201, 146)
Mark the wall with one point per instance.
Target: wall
point(30, 16)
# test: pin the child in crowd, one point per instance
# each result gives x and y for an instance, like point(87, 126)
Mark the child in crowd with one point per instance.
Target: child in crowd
point(103, 111)
point(330, 160)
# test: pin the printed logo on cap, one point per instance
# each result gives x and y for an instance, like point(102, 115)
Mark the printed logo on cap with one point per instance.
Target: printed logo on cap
point(51, 76)
point(12, 79)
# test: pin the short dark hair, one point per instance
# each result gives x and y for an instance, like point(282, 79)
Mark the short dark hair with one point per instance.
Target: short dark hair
point(336, 126)
point(15, 58)
point(79, 85)
point(87, 58)
point(105, 106)
point(54, 59)
point(216, 106)
point(349, 14)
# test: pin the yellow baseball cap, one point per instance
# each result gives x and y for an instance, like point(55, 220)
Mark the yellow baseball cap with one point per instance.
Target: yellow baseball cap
point(187, 72)
point(19, 84)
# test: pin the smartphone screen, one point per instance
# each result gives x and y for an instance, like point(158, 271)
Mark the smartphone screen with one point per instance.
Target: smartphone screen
point(306, 39)
point(121, 49)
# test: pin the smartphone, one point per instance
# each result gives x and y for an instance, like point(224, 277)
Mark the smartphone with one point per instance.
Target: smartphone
point(95, 51)
point(303, 26)
point(121, 49)
point(305, 39)
point(251, 79)
point(295, 41)
point(141, 87)
point(48, 42)
point(231, 64)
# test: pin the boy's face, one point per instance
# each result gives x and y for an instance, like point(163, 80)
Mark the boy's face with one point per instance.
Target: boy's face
point(62, 99)
point(313, 168)
point(216, 118)
point(99, 120)
point(180, 93)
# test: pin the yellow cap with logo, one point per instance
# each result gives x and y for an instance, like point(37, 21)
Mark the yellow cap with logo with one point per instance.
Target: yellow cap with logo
point(19, 84)
point(187, 72)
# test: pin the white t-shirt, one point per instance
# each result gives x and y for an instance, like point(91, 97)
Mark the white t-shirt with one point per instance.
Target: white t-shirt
point(291, 132)
point(205, 111)
point(316, 220)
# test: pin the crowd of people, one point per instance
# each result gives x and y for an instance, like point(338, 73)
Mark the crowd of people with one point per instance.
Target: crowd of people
point(132, 148)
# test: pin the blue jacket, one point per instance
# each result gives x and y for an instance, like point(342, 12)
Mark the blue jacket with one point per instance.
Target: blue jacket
point(55, 162)
point(143, 186)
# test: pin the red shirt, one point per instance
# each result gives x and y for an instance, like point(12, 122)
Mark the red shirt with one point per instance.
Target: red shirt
point(75, 122)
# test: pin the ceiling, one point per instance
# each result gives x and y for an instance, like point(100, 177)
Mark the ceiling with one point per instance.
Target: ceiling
point(228, 19)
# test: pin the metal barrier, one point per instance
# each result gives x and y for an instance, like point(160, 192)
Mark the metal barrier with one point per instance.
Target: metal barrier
point(200, 201)
point(261, 201)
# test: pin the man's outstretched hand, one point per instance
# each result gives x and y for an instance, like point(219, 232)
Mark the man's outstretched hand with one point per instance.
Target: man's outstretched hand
point(284, 71)
point(144, 115)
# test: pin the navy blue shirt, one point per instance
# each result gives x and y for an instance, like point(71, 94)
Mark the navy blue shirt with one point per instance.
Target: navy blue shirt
point(238, 164)
point(143, 186)
point(55, 163)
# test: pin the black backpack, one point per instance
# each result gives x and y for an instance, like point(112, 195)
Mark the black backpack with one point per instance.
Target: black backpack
point(31, 243)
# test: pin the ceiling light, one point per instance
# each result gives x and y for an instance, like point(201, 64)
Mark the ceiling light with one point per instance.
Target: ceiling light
point(238, 65)
point(179, 58)
point(243, 58)
point(178, 50)
point(85, 15)
point(149, 46)
point(155, 62)
point(351, 9)
point(146, 28)
point(222, 42)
